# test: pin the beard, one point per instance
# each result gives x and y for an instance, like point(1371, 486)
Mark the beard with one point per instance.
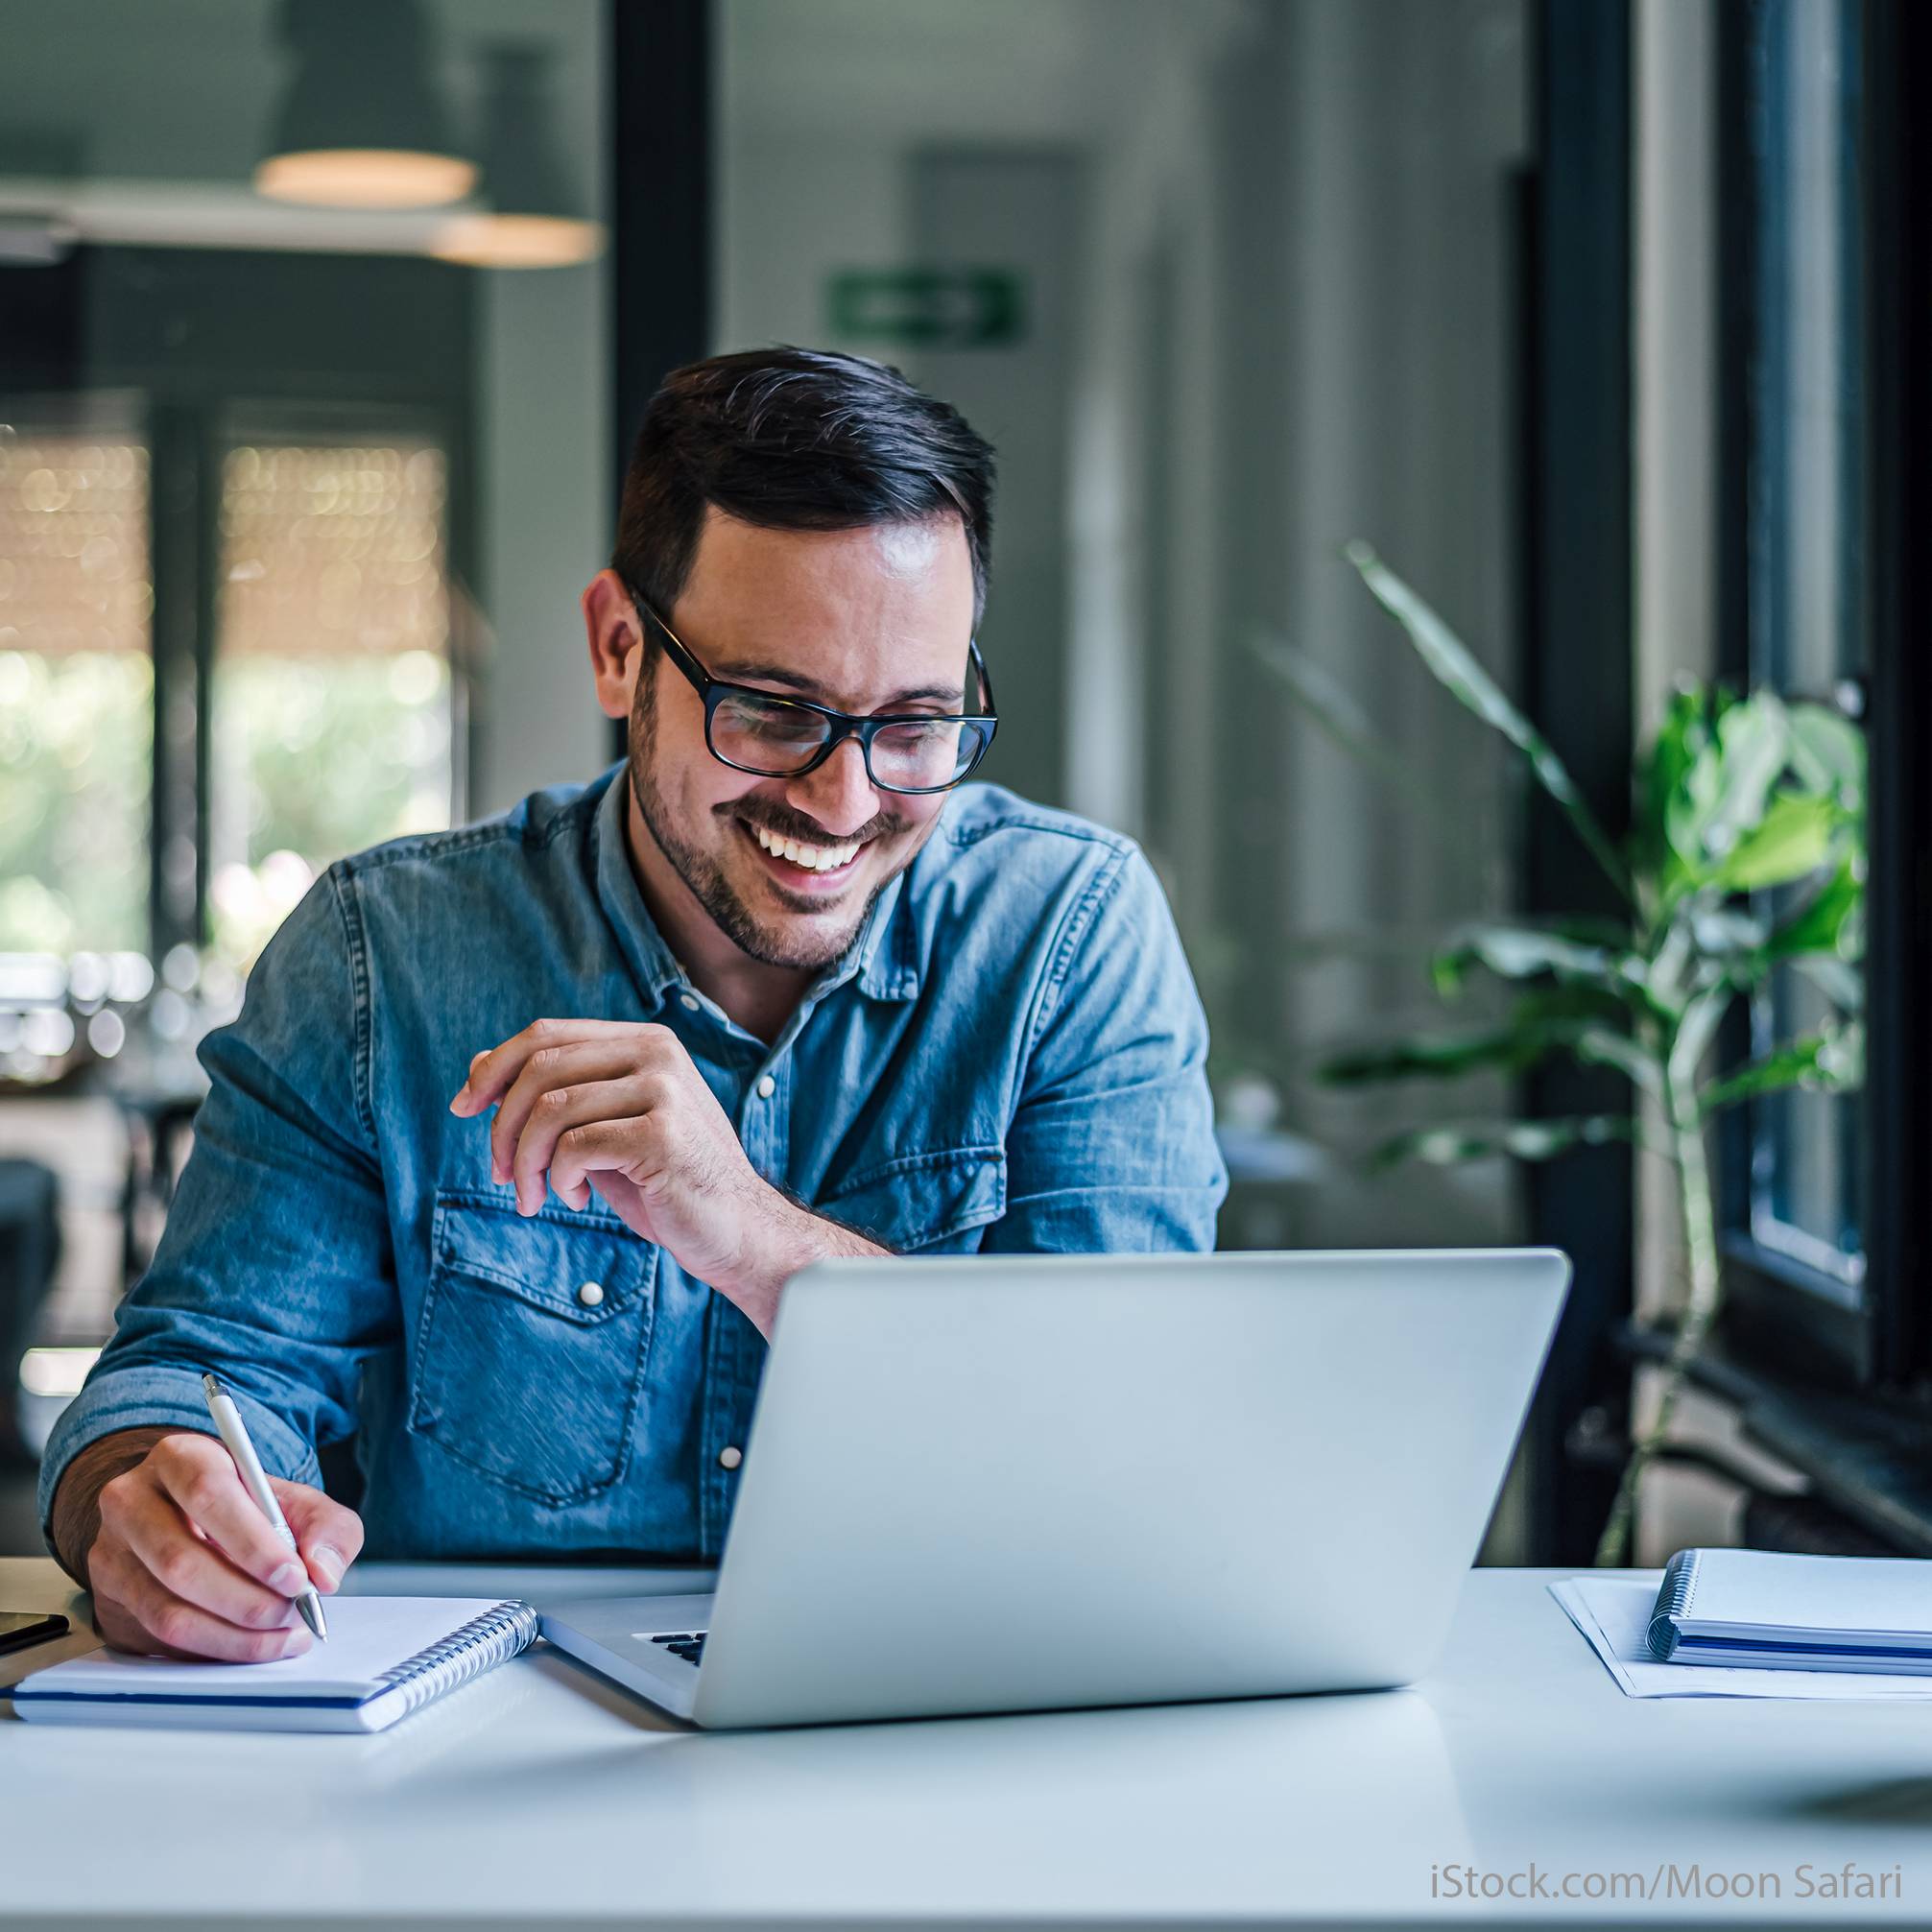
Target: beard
point(810, 942)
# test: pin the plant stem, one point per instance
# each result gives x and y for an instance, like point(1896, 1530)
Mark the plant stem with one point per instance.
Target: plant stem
point(1690, 1159)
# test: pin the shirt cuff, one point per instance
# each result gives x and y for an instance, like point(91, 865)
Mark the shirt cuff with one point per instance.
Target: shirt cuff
point(157, 1396)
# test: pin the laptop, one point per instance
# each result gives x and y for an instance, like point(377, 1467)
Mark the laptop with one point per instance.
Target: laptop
point(1025, 1483)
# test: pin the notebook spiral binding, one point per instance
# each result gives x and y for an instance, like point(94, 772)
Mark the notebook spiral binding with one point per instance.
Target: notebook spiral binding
point(481, 1644)
point(1673, 1598)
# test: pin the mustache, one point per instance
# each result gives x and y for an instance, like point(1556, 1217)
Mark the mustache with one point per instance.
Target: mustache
point(789, 825)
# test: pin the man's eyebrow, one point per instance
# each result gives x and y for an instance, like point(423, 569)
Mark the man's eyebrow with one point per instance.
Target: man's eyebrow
point(778, 674)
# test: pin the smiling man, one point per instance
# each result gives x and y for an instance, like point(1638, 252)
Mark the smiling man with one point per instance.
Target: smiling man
point(524, 1127)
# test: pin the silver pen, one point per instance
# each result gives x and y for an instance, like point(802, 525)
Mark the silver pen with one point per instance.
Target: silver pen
point(255, 1479)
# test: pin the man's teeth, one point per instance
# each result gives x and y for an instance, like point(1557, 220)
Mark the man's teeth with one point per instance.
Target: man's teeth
point(814, 858)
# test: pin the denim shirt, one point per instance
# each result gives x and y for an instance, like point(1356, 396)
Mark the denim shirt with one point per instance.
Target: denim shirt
point(1007, 1059)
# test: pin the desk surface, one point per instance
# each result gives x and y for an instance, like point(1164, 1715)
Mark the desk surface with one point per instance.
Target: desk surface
point(538, 1794)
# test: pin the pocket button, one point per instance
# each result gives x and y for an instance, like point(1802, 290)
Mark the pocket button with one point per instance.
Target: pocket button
point(731, 1458)
point(590, 1294)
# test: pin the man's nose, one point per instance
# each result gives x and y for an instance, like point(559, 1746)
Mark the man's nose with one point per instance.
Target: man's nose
point(840, 795)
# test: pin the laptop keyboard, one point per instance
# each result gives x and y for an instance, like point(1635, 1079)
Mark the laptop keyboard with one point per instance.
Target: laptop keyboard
point(687, 1644)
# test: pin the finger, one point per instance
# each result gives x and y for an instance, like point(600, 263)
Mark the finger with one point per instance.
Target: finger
point(491, 1073)
point(198, 1572)
point(201, 1478)
point(554, 1113)
point(166, 1624)
point(328, 1535)
point(632, 1148)
point(574, 1063)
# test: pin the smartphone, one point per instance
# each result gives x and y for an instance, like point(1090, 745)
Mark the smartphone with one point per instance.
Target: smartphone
point(20, 1628)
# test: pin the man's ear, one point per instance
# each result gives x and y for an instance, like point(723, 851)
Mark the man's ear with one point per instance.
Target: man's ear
point(615, 634)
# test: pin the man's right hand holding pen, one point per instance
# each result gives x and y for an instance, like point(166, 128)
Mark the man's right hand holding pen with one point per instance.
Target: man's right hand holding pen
point(181, 1563)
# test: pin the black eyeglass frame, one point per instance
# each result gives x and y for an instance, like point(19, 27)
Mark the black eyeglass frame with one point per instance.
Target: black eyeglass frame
point(845, 723)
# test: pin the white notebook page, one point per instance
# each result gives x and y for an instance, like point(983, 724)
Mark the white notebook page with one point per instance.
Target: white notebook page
point(367, 1636)
point(1758, 1590)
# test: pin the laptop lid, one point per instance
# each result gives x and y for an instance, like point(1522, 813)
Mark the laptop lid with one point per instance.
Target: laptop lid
point(977, 1483)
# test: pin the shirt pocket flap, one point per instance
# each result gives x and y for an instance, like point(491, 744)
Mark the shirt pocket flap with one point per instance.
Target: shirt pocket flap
point(920, 1200)
point(585, 1265)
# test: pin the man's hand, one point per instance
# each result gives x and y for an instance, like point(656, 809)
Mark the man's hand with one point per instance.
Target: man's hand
point(616, 1107)
point(157, 1523)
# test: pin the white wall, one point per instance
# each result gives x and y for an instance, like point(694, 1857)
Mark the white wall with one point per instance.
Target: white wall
point(1317, 193)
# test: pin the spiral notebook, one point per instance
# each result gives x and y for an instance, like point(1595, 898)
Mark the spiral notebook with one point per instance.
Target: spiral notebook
point(384, 1656)
point(1794, 1612)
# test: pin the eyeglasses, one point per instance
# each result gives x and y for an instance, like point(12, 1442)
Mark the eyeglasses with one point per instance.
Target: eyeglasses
point(774, 737)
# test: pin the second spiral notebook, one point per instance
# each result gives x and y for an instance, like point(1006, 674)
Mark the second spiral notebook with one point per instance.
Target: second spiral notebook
point(384, 1656)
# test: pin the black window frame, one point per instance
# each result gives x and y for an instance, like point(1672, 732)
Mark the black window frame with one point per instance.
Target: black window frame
point(1778, 1313)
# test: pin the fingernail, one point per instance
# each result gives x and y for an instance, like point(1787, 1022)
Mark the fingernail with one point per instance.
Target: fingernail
point(325, 1565)
point(287, 1580)
point(296, 1641)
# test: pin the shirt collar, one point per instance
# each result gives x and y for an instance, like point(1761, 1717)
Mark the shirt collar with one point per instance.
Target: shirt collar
point(880, 957)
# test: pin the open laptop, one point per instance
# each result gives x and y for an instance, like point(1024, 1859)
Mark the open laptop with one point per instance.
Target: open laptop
point(1039, 1481)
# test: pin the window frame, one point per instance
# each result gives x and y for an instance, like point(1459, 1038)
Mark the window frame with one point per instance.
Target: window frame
point(1779, 1311)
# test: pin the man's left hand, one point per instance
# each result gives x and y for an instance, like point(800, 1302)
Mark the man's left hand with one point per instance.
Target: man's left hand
point(616, 1107)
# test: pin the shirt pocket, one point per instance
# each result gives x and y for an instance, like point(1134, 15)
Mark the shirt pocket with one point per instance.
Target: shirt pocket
point(923, 1203)
point(532, 1343)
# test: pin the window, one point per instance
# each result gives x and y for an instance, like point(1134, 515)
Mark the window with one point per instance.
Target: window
point(1823, 429)
point(228, 580)
point(1806, 623)
point(333, 721)
point(76, 687)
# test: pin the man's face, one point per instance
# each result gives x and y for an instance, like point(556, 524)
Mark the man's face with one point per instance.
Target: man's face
point(870, 620)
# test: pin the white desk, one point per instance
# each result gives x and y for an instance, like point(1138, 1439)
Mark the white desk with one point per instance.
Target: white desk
point(539, 1795)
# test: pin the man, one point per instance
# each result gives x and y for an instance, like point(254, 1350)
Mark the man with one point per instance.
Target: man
point(523, 1126)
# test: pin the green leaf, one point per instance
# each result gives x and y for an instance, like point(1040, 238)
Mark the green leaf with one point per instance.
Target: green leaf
point(1542, 1021)
point(1753, 742)
point(1439, 1057)
point(1838, 980)
point(1520, 1140)
point(1793, 838)
point(1456, 668)
point(1828, 921)
point(1663, 775)
point(1526, 952)
point(1827, 752)
point(1831, 1061)
point(1664, 763)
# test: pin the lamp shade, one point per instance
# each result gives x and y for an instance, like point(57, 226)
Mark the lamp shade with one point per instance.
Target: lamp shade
point(533, 220)
point(361, 125)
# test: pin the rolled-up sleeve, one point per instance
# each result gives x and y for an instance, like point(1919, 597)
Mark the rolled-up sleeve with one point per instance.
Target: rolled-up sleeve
point(1112, 1147)
point(276, 1268)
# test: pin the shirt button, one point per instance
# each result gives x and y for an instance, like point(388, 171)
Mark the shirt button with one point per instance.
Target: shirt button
point(688, 1001)
point(590, 1294)
point(729, 1459)
point(767, 1087)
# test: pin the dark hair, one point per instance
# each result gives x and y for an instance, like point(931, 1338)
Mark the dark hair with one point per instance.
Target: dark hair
point(795, 439)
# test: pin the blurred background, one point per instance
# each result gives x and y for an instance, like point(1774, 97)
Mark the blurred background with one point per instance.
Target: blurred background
point(324, 325)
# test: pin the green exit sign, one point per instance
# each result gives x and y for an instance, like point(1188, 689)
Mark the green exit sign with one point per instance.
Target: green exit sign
point(927, 308)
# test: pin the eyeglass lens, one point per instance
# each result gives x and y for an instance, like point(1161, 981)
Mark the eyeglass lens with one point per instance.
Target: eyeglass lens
point(776, 738)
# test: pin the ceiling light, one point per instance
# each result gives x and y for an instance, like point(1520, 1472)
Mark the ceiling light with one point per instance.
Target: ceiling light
point(361, 125)
point(534, 220)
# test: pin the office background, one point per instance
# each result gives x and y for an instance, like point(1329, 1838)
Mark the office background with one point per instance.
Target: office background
point(1591, 315)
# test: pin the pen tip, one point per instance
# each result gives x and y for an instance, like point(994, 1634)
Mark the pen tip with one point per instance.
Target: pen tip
point(311, 1609)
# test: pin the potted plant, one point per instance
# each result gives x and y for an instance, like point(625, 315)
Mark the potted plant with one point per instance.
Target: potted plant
point(1745, 858)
